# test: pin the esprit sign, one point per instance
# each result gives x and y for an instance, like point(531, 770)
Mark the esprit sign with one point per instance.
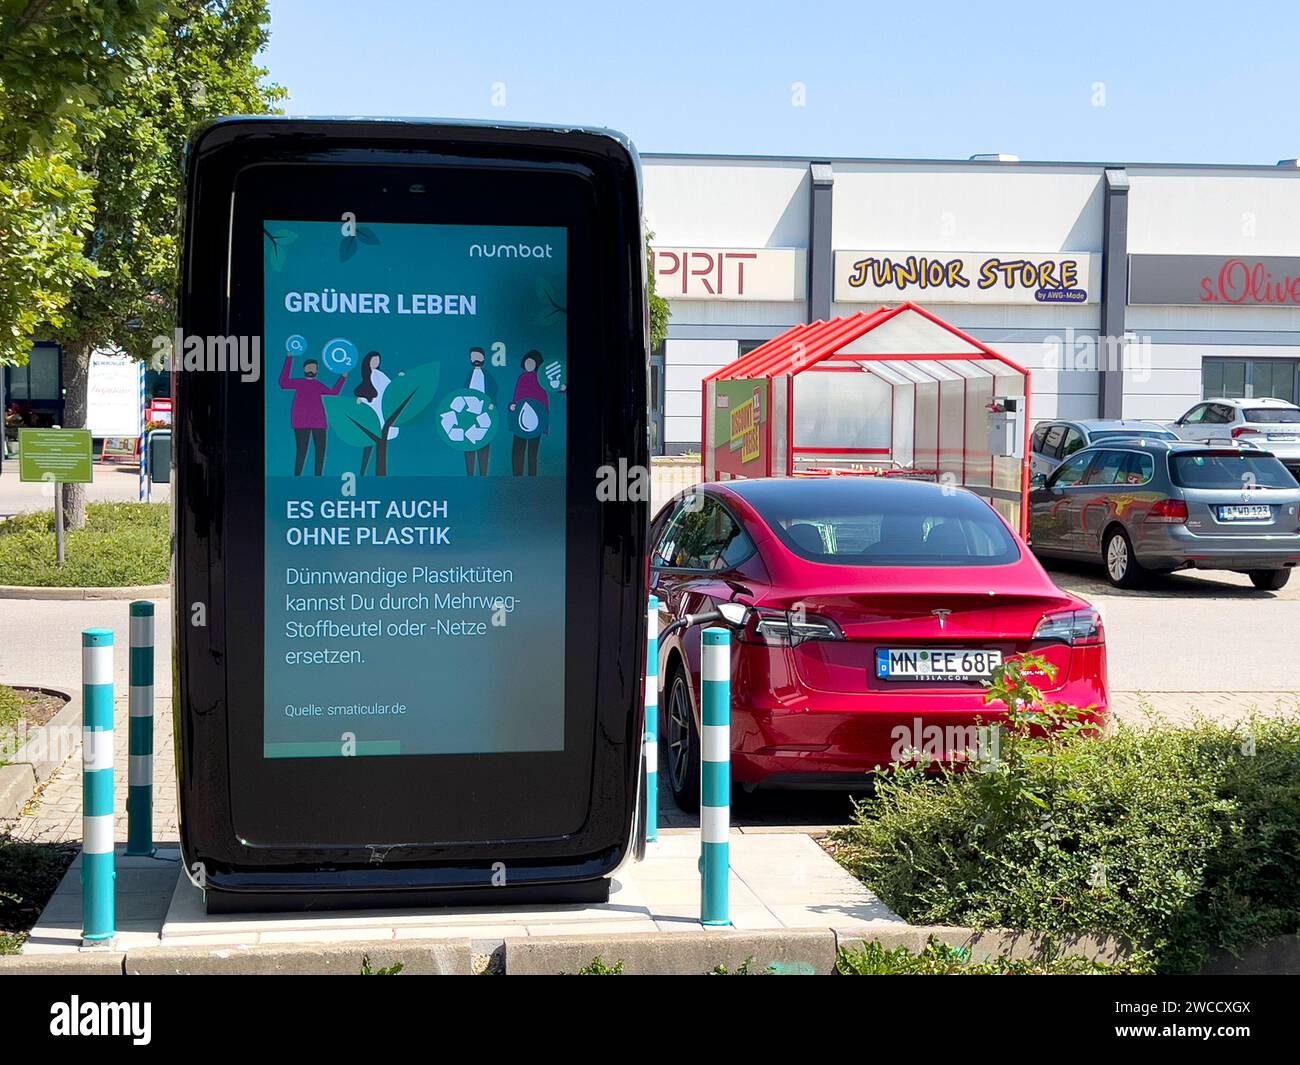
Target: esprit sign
point(964, 277)
point(1194, 280)
point(730, 273)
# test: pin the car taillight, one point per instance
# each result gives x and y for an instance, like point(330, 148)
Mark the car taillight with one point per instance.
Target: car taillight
point(1245, 430)
point(793, 626)
point(1167, 512)
point(1078, 628)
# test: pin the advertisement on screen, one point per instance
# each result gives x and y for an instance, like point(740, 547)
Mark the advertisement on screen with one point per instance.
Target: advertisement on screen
point(416, 415)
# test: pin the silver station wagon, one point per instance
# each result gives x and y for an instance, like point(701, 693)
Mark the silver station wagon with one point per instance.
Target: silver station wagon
point(1154, 506)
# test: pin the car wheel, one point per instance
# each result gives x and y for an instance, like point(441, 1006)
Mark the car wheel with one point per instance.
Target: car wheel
point(683, 743)
point(1269, 580)
point(1122, 567)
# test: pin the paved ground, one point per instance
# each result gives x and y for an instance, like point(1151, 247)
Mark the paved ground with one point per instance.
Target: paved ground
point(776, 882)
point(115, 484)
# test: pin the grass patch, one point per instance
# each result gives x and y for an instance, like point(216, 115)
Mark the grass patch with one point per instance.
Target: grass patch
point(29, 873)
point(1183, 840)
point(122, 544)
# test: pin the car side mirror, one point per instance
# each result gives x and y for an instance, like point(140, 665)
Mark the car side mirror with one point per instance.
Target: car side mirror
point(1038, 480)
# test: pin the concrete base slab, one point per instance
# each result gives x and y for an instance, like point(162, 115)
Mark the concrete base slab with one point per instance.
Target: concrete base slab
point(144, 890)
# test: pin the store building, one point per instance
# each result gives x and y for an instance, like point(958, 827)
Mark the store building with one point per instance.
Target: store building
point(1129, 290)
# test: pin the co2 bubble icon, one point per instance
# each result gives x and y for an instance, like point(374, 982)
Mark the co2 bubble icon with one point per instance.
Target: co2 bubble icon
point(340, 355)
point(467, 420)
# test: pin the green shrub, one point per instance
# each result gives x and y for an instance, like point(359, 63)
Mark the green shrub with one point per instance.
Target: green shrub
point(938, 959)
point(122, 544)
point(598, 967)
point(1184, 840)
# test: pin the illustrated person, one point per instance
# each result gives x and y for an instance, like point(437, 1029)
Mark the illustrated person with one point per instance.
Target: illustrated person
point(307, 416)
point(531, 415)
point(480, 381)
point(370, 392)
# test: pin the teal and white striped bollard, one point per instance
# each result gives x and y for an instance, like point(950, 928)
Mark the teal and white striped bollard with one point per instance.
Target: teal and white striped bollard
point(98, 864)
point(139, 795)
point(715, 776)
point(652, 722)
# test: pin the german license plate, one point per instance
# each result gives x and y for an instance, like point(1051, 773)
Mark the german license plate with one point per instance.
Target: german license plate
point(932, 663)
point(1246, 512)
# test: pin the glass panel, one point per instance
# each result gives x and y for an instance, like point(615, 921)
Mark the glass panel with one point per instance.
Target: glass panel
point(850, 410)
point(1234, 379)
point(1211, 378)
point(44, 369)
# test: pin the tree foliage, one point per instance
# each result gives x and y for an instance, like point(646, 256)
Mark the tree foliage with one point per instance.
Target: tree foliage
point(60, 60)
point(199, 62)
point(659, 311)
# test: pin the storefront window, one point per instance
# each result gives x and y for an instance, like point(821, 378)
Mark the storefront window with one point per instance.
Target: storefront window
point(1249, 378)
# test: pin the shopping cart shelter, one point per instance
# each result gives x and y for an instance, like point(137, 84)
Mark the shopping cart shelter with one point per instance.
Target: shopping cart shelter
point(895, 392)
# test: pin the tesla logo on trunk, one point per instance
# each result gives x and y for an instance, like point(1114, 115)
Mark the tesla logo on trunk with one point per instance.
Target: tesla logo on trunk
point(942, 615)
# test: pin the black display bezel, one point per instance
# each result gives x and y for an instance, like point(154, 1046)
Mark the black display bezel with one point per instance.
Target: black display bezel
point(420, 820)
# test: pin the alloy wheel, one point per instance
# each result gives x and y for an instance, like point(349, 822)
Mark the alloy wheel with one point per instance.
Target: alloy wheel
point(1117, 557)
point(679, 734)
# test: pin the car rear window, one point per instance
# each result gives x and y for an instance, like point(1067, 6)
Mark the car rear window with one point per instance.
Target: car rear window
point(923, 528)
point(1272, 415)
point(1228, 469)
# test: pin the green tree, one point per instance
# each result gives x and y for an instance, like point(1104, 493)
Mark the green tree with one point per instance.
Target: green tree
point(197, 63)
point(59, 61)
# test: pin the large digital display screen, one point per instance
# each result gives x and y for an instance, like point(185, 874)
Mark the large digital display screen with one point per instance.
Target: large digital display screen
point(415, 397)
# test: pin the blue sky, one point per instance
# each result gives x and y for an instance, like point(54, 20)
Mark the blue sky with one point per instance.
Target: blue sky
point(1094, 80)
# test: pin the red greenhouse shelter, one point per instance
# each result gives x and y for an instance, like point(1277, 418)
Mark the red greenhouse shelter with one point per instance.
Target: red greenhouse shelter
point(895, 392)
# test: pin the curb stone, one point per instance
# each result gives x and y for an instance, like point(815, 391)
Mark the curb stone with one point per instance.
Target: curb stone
point(38, 756)
point(38, 752)
point(809, 952)
point(17, 785)
point(81, 963)
point(694, 953)
point(449, 957)
point(139, 591)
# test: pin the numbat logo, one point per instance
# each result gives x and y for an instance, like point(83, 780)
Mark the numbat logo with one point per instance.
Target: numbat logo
point(74, 1017)
point(510, 251)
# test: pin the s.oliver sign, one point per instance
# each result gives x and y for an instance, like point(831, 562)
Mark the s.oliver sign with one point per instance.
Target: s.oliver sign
point(1193, 280)
point(731, 273)
point(965, 277)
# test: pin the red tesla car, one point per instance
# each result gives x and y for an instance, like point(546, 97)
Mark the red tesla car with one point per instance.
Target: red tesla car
point(881, 608)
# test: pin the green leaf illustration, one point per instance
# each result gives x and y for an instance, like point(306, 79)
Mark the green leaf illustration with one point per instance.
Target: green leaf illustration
point(410, 393)
point(278, 242)
point(355, 423)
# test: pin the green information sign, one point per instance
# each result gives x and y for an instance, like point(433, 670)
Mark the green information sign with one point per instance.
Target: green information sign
point(61, 455)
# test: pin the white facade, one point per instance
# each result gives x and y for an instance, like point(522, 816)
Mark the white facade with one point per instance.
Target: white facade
point(952, 220)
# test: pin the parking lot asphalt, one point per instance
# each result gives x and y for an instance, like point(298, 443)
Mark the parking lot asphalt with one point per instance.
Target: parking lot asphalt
point(1194, 631)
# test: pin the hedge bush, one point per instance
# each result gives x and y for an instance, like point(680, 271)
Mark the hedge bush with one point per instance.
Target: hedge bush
point(1183, 839)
